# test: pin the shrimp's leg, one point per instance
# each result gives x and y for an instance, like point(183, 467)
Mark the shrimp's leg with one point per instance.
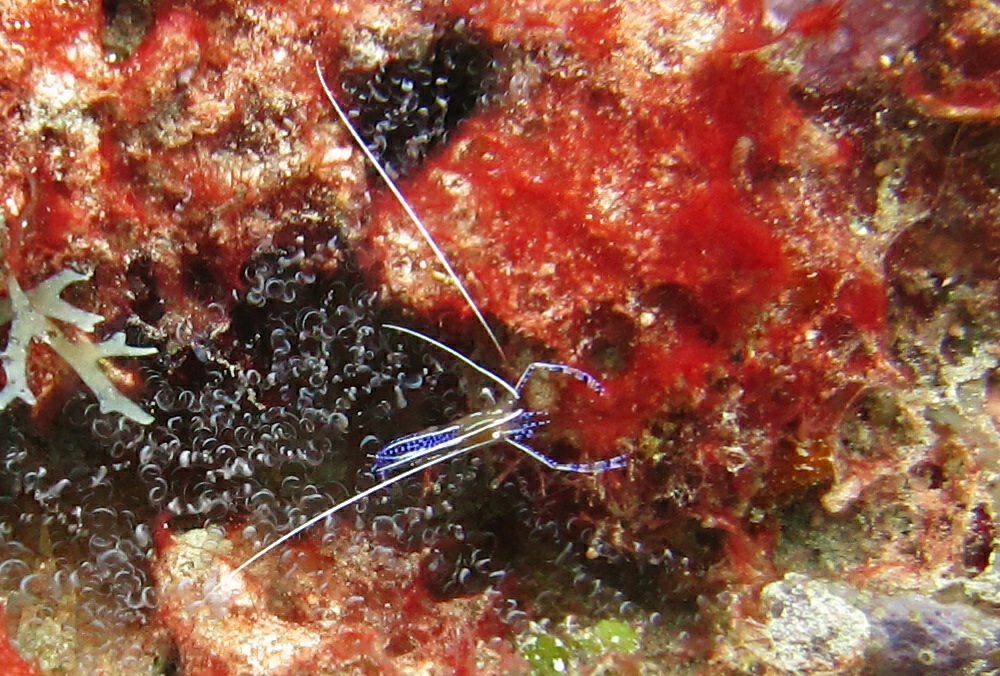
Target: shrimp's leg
point(528, 423)
point(617, 462)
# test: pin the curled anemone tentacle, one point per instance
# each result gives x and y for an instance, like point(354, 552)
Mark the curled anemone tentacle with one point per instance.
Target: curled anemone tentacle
point(413, 453)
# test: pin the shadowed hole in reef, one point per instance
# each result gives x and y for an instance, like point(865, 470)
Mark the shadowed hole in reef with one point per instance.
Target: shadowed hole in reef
point(614, 334)
point(407, 106)
point(126, 23)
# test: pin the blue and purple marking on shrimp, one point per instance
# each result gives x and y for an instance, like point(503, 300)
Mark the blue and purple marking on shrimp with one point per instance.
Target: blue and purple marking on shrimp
point(413, 453)
point(509, 422)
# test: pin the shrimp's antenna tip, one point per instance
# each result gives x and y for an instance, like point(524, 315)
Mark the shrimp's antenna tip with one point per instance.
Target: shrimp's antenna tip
point(410, 213)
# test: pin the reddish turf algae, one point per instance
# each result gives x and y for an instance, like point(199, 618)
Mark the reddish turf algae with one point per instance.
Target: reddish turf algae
point(10, 659)
point(696, 202)
point(358, 607)
point(687, 241)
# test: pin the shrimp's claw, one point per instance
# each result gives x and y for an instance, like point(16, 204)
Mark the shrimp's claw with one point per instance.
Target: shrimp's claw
point(584, 377)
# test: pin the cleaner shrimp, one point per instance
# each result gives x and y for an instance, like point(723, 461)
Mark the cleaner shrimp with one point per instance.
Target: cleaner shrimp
point(510, 421)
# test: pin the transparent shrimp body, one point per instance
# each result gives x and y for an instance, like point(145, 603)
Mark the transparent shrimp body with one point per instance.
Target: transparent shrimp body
point(509, 422)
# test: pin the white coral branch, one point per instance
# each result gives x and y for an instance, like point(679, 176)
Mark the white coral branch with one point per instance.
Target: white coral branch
point(33, 315)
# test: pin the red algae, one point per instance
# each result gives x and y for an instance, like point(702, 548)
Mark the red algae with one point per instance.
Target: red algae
point(663, 244)
point(10, 659)
point(768, 227)
point(954, 74)
point(151, 160)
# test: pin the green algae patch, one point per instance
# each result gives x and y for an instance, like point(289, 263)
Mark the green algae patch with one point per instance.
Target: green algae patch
point(609, 635)
point(562, 650)
point(545, 653)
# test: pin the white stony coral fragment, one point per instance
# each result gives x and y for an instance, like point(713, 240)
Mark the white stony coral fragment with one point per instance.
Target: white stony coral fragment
point(33, 315)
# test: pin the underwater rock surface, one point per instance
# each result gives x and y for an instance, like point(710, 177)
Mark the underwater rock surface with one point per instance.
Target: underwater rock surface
point(817, 627)
point(768, 228)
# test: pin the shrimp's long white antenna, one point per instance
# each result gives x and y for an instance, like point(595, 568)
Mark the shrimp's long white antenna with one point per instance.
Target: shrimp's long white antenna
point(350, 501)
point(407, 208)
point(458, 355)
